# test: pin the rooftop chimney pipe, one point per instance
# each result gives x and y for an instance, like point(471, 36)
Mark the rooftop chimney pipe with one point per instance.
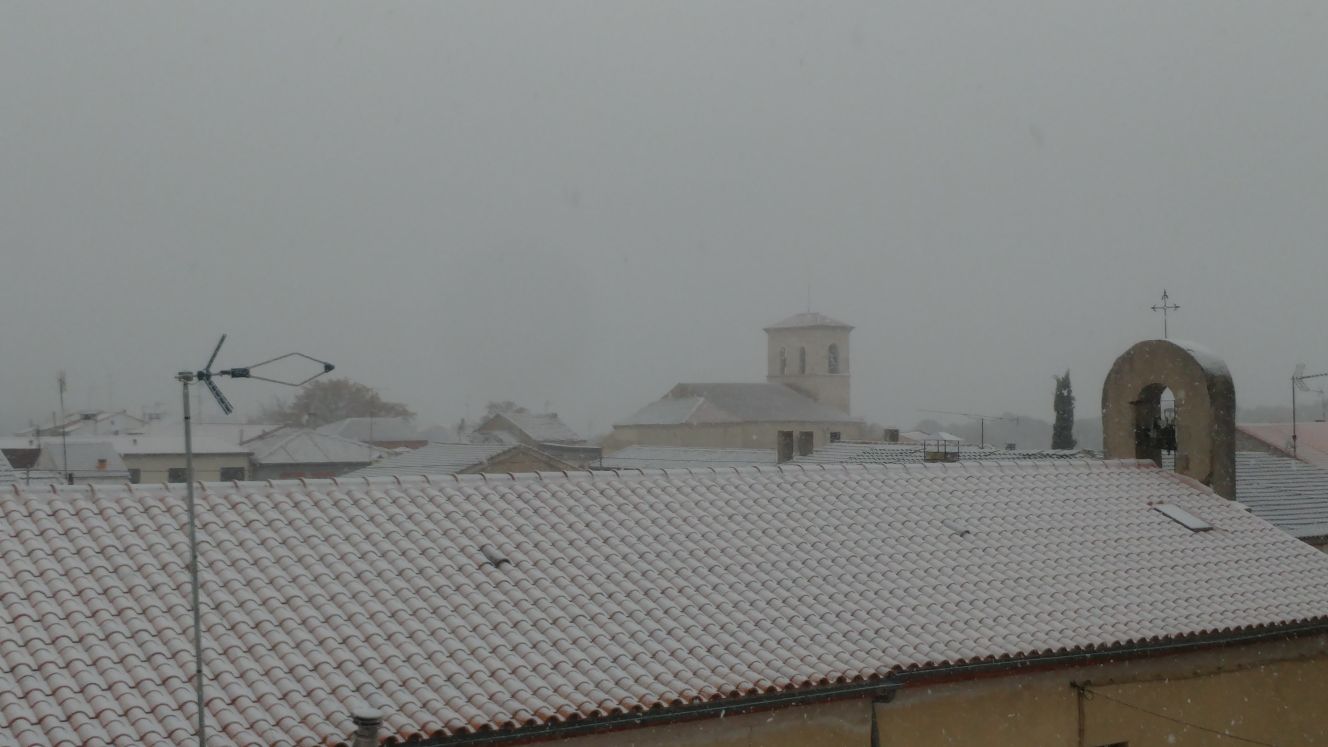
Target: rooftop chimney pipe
point(367, 721)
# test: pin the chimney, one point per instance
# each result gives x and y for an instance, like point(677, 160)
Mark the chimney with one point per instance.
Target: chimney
point(366, 720)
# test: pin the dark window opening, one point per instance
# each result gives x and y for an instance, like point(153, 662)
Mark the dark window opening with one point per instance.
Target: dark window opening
point(835, 436)
point(135, 475)
point(783, 361)
point(176, 474)
point(802, 360)
point(832, 359)
point(232, 473)
point(784, 446)
point(805, 442)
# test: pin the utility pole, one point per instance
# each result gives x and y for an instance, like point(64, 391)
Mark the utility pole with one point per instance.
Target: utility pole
point(62, 383)
point(982, 421)
point(1298, 380)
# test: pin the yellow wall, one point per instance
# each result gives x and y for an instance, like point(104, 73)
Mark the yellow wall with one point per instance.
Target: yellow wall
point(735, 436)
point(1270, 692)
point(207, 467)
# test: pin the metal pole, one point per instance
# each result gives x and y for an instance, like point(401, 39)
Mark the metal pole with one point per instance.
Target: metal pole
point(64, 433)
point(185, 377)
point(1293, 417)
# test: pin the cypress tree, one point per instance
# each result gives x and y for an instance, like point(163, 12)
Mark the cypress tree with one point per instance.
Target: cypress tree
point(1062, 433)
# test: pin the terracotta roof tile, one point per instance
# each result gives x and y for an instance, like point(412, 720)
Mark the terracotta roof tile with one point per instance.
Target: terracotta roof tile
point(480, 603)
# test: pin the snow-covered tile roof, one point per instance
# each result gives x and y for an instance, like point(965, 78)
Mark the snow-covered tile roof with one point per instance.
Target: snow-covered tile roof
point(435, 459)
point(455, 605)
point(306, 446)
point(865, 452)
point(701, 404)
point(684, 457)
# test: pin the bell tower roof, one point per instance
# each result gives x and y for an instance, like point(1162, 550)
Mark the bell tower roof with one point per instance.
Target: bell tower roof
point(808, 319)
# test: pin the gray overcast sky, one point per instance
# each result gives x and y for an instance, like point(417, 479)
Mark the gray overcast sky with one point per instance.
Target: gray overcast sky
point(583, 203)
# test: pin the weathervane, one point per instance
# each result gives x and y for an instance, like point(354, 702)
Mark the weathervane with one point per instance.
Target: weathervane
point(206, 376)
point(1165, 307)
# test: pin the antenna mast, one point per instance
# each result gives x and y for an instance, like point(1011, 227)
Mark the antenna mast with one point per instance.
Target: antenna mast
point(1298, 380)
point(982, 421)
point(62, 384)
point(205, 377)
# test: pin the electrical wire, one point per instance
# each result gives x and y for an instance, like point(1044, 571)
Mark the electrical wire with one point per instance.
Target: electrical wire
point(1095, 693)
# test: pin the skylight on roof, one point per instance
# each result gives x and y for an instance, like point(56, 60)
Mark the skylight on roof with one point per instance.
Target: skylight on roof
point(1183, 517)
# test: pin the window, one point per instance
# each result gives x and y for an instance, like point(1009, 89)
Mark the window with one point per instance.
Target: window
point(783, 361)
point(232, 473)
point(175, 474)
point(835, 436)
point(802, 360)
point(832, 359)
point(135, 475)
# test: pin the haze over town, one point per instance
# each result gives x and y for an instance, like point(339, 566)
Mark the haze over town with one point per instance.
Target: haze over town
point(583, 205)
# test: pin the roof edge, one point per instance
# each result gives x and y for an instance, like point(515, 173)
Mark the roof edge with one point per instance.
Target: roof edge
point(888, 685)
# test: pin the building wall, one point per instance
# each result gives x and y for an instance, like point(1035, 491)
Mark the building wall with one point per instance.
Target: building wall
point(818, 383)
point(207, 467)
point(1269, 692)
point(721, 436)
point(303, 471)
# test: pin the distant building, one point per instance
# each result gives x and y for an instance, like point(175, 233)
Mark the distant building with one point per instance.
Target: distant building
point(543, 431)
point(7, 475)
point(152, 459)
point(804, 402)
point(530, 428)
point(1275, 438)
point(386, 433)
point(296, 453)
point(89, 423)
point(85, 462)
point(464, 459)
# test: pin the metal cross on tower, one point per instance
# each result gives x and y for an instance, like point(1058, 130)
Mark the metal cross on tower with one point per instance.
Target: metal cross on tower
point(1165, 307)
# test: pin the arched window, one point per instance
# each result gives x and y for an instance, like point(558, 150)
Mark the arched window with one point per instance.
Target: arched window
point(802, 360)
point(832, 359)
point(783, 361)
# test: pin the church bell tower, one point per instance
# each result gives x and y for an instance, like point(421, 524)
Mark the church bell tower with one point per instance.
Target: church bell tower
point(810, 353)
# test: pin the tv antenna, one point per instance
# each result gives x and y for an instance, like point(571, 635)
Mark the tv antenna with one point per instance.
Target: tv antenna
point(1298, 380)
point(206, 376)
point(982, 421)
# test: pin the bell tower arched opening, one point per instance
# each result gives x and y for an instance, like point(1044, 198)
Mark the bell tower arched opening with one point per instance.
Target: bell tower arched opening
point(1166, 396)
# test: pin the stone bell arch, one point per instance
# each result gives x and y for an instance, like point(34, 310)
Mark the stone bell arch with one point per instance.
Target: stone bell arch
point(1205, 417)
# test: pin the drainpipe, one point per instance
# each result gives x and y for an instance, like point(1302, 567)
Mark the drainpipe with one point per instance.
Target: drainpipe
point(367, 721)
